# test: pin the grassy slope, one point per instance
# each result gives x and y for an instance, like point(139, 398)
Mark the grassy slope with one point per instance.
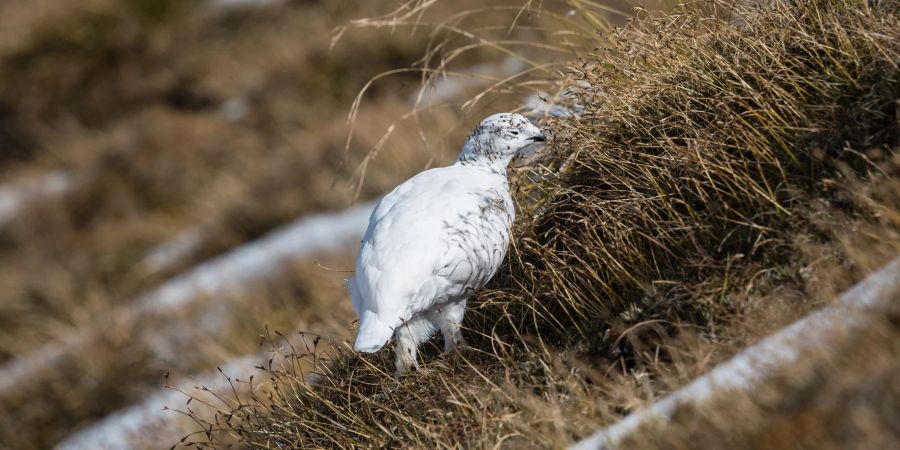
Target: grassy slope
point(736, 166)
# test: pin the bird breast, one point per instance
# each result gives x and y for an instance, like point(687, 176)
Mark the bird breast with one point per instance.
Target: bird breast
point(479, 239)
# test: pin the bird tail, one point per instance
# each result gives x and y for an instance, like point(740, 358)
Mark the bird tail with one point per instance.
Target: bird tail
point(372, 334)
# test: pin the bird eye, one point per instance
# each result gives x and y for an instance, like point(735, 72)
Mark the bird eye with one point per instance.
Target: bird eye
point(514, 133)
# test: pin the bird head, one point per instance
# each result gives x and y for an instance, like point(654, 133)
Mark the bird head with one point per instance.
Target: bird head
point(498, 139)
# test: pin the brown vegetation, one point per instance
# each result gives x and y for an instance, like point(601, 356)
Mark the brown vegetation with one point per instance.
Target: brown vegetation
point(735, 167)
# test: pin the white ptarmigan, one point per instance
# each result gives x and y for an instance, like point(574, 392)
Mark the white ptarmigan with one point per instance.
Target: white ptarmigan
point(436, 239)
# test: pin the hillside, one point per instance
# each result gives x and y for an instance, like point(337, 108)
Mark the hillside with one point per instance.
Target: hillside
point(733, 167)
point(183, 183)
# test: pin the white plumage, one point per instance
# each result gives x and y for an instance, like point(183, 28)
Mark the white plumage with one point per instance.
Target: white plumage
point(434, 240)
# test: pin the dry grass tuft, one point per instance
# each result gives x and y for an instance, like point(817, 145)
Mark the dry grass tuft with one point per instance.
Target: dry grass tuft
point(735, 165)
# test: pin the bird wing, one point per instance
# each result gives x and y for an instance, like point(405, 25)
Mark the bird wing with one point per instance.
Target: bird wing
point(420, 242)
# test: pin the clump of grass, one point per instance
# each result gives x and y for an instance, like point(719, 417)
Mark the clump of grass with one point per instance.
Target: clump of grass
point(721, 145)
point(705, 134)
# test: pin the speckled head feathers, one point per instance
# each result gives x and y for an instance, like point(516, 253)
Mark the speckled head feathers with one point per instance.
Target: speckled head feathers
point(497, 139)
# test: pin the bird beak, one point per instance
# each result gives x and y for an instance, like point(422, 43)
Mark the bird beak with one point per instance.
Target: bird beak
point(538, 138)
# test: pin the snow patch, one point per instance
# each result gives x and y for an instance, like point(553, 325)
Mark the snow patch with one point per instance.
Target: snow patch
point(174, 251)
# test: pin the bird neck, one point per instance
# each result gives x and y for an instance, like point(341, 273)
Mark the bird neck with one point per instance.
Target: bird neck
point(481, 152)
